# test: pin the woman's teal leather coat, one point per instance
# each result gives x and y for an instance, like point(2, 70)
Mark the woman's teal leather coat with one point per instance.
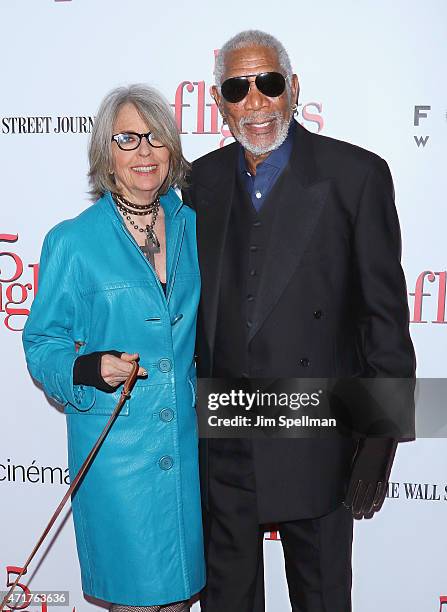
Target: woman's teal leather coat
point(137, 512)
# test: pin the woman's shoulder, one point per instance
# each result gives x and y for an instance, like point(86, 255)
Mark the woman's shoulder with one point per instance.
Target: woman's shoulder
point(76, 228)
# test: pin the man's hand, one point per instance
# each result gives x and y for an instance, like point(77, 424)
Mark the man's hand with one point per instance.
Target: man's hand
point(369, 477)
point(115, 370)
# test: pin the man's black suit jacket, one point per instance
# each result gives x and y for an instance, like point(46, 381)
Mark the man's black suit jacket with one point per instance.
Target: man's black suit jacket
point(332, 299)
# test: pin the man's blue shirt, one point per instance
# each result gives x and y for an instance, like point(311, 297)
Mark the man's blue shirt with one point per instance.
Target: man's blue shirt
point(267, 172)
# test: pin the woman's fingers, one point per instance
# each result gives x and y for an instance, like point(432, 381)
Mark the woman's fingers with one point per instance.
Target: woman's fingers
point(130, 356)
point(115, 370)
point(133, 357)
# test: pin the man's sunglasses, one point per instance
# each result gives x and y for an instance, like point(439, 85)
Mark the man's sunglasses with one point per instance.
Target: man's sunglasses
point(271, 84)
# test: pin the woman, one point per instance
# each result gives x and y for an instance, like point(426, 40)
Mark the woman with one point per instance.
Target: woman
point(121, 282)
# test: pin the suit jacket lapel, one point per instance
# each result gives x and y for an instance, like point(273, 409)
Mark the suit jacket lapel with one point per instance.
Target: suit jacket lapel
point(300, 198)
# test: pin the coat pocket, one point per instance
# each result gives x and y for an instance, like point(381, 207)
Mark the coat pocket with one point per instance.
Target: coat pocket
point(104, 405)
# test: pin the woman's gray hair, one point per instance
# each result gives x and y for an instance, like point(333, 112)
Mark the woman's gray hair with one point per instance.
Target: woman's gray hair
point(251, 38)
point(154, 109)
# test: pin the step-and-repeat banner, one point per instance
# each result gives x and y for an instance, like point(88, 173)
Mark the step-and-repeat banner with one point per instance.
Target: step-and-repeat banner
point(372, 73)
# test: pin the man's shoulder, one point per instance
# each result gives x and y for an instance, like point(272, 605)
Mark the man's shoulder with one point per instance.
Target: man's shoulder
point(334, 152)
point(217, 157)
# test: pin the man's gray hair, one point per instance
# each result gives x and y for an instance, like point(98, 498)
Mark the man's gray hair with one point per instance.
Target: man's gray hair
point(251, 38)
point(154, 109)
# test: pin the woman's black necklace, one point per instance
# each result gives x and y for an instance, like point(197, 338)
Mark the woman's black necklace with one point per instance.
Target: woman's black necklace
point(152, 244)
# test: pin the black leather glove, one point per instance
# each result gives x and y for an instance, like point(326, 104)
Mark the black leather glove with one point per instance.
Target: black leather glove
point(369, 477)
point(87, 370)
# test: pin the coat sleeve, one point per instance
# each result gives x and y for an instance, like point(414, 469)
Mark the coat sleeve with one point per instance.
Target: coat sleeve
point(384, 322)
point(387, 347)
point(48, 337)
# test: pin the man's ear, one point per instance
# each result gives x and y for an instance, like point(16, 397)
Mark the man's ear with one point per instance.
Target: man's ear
point(295, 86)
point(214, 92)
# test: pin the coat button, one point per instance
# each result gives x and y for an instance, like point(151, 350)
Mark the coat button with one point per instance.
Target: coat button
point(305, 362)
point(257, 224)
point(252, 272)
point(250, 298)
point(166, 462)
point(318, 314)
point(165, 365)
point(176, 319)
point(166, 415)
point(253, 248)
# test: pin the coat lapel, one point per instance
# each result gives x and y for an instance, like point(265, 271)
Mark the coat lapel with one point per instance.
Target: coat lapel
point(300, 198)
point(175, 229)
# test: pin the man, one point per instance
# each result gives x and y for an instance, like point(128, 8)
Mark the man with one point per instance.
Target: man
point(299, 251)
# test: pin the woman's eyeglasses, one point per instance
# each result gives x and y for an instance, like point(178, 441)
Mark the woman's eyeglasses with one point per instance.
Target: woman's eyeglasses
point(128, 141)
point(271, 84)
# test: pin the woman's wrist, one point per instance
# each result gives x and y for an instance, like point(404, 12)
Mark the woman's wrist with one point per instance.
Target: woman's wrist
point(87, 370)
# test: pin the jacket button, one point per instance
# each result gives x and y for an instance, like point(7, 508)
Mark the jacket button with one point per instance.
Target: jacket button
point(165, 365)
point(253, 248)
point(305, 362)
point(250, 298)
point(176, 319)
point(166, 462)
point(252, 272)
point(318, 314)
point(166, 415)
point(257, 224)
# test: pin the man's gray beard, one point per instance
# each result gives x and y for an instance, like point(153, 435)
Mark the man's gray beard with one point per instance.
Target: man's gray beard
point(261, 118)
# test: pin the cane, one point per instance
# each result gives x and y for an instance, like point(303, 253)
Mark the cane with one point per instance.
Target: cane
point(125, 394)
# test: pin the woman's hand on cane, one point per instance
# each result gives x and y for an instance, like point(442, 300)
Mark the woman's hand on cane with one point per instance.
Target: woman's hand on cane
point(115, 370)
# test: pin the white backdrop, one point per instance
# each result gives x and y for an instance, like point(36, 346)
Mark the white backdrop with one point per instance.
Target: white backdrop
point(363, 67)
